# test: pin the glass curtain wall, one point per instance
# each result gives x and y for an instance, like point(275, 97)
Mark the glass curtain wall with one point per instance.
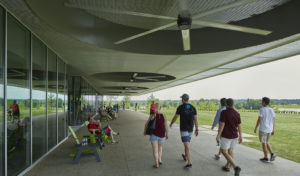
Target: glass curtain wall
point(76, 100)
point(2, 43)
point(39, 87)
point(51, 99)
point(82, 102)
point(18, 97)
point(43, 106)
point(61, 100)
point(83, 98)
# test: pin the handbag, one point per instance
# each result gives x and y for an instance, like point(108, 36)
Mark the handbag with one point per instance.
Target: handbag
point(151, 126)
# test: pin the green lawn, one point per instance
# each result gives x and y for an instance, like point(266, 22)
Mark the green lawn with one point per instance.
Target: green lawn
point(285, 142)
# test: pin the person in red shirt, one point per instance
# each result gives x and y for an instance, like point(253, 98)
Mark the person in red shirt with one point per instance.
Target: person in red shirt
point(94, 128)
point(229, 134)
point(15, 109)
point(152, 108)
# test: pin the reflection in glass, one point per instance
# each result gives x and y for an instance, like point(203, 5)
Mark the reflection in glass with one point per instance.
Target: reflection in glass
point(18, 97)
point(51, 100)
point(76, 103)
point(39, 79)
point(70, 101)
point(1, 91)
point(60, 100)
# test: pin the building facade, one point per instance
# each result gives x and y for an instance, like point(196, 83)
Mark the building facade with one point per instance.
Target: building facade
point(38, 98)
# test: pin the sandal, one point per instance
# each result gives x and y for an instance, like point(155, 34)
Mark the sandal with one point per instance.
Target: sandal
point(154, 166)
point(160, 163)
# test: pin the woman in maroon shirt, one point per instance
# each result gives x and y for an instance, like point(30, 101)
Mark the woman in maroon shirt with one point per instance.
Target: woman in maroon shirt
point(159, 134)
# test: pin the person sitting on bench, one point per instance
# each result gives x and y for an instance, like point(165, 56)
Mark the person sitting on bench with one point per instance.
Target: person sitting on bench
point(94, 128)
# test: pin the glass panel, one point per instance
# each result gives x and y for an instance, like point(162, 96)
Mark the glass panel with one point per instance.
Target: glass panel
point(39, 79)
point(61, 102)
point(70, 97)
point(66, 107)
point(51, 106)
point(18, 97)
point(1, 91)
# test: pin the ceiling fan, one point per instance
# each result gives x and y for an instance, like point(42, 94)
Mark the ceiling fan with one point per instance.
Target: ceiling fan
point(154, 78)
point(184, 21)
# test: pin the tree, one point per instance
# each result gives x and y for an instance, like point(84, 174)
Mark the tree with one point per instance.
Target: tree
point(126, 100)
point(151, 98)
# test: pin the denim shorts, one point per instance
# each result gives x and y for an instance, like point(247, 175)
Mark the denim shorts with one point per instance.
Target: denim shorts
point(154, 138)
point(186, 136)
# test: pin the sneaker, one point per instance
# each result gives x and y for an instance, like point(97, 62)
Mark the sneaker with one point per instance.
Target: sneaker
point(237, 171)
point(273, 156)
point(266, 160)
point(217, 157)
point(183, 156)
point(188, 166)
point(226, 169)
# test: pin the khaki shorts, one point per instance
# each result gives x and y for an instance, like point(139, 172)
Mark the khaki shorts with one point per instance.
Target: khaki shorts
point(226, 144)
point(264, 137)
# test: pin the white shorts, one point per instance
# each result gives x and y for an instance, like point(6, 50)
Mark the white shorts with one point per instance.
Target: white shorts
point(226, 144)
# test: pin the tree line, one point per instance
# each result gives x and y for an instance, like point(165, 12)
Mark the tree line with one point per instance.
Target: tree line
point(205, 104)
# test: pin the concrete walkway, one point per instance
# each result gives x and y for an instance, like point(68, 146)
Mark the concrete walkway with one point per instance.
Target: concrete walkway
point(132, 156)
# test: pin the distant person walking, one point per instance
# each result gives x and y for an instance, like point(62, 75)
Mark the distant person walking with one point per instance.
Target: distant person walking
point(159, 134)
point(188, 117)
point(217, 121)
point(136, 106)
point(152, 108)
point(266, 123)
point(229, 134)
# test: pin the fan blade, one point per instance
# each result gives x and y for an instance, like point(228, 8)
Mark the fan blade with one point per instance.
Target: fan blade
point(149, 77)
point(222, 8)
point(134, 75)
point(186, 39)
point(232, 27)
point(147, 32)
point(122, 12)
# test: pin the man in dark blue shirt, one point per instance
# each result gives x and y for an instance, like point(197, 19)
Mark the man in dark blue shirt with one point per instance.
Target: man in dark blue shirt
point(188, 117)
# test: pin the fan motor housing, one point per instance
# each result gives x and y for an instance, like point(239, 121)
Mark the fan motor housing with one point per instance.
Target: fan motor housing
point(184, 21)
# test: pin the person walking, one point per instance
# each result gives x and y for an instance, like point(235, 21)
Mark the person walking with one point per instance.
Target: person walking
point(229, 134)
point(188, 118)
point(266, 123)
point(152, 108)
point(217, 121)
point(159, 134)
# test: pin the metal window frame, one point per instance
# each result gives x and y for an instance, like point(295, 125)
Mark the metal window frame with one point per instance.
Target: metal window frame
point(56, 99)
point(65, 114)
point(5, 92)
point(30, 94)
point(47, 52)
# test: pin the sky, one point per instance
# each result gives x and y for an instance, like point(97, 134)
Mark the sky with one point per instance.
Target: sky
point(277, 80)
